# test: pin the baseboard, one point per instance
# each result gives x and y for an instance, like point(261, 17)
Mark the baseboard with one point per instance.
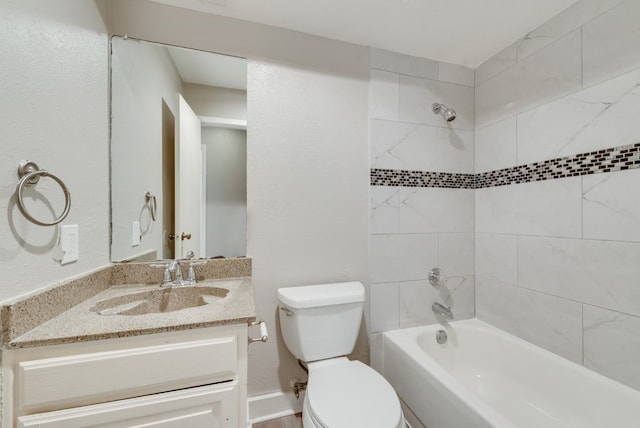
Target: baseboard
point(274, 405)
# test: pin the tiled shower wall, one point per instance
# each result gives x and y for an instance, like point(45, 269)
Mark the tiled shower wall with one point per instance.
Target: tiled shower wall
point(558, 260)
point(418, 227)
point(556, 217)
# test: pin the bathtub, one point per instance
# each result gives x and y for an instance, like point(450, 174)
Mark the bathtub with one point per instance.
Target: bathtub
point(483, 377)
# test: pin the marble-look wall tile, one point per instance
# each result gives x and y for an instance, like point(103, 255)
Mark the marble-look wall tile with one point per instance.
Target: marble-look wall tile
point(497, 257)
point(383, 210)
point(407, 146)
point(376, 352)
point(416, 298)
point(403, 257)
point(544, 76)
point(414, 147)
point(384, 307)
point(550, 322)
point(456, 254)
point(454, 73)
point(496, 210)
point(383, 258)
point(610, 43)
point(385, 95)
point(599, 117)
point(566, 21)
point(612, 344)
point(417, 95)
point(495, 146)
point(427, 209)
point(602, 273)
point(455, 151)
point(497, 63)
point(404, 64)
point(611, 206)
point(546, 208)
point(550, 208)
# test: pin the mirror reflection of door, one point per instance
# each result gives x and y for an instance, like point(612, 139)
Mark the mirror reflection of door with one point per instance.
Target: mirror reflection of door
point(168, 181)
point(188, 181)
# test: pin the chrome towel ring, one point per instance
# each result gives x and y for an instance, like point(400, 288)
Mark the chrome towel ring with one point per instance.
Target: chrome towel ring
point(153, 204)
point(30, 174)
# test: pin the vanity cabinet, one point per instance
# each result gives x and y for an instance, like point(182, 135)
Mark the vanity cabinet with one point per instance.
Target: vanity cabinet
point(192, 378)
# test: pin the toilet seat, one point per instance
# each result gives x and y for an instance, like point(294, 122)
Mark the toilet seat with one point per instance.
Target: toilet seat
point(350, 394)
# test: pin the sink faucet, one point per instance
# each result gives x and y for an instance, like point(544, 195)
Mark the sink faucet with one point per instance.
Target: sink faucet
point(442, 310)
point(175, 268)
point(173, 273)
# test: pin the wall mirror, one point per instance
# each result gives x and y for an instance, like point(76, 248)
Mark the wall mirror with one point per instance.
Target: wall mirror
point(178, 152)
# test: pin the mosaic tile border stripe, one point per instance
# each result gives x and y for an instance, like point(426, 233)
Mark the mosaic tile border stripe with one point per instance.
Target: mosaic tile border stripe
point(600, 161)
point(397, 178)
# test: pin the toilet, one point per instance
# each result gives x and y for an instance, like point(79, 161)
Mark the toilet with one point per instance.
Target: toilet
point(320, 325)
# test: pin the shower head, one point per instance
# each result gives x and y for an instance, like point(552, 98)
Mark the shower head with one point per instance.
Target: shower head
point(448, 113)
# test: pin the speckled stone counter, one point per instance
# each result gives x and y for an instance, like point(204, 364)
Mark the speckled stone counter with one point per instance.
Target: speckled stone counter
point(63, 313)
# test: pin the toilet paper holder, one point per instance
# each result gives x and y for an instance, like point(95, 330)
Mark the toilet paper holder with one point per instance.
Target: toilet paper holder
point(264, 335)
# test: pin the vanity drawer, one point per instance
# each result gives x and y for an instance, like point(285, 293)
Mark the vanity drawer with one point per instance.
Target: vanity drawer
point(55, 383)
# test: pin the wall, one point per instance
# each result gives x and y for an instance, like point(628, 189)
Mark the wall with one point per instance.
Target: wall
point(307, 157)
point(226, 221)
point(226, 191)
point(143, 78)
point(422, 218)
point(557, 259)
point(54, 111)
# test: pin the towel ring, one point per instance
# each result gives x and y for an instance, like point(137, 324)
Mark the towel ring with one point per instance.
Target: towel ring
point(153, 204)
point(30, 174)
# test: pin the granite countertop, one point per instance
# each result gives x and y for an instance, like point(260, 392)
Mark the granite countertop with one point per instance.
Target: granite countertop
point(80, 309)
point(81, 323)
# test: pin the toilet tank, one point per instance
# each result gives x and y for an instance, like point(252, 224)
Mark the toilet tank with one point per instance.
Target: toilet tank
point(321, 321)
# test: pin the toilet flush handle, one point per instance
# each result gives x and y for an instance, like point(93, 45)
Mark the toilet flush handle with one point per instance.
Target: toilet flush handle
point(288, 312)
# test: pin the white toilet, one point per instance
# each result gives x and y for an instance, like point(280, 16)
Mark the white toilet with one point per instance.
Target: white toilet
point(320, 325)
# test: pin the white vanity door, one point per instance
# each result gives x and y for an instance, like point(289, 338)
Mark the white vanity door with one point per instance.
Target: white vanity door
point(212, 406)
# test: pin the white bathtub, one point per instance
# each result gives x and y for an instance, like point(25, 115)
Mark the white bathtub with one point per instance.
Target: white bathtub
point(484, 377)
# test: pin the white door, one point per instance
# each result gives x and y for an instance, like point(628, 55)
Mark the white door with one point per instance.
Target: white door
point(188, 180)
point(213, 406)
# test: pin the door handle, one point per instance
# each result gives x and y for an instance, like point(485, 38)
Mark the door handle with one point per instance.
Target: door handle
point(185, 236)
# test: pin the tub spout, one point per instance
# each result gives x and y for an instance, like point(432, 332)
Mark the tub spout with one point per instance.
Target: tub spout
point(442, 310)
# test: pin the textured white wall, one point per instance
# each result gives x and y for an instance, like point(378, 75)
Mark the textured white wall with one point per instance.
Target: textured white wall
point(54, 111)
point(307, 167)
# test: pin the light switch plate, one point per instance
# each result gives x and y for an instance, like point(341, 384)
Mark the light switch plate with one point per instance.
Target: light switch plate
point(135, 234)
point(69, 243)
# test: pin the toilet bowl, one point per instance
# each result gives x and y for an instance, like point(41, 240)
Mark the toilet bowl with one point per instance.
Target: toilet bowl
point(349, 394)
point(320, 325)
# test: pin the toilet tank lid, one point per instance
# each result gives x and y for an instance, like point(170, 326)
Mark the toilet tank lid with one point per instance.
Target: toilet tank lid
point(310, 296)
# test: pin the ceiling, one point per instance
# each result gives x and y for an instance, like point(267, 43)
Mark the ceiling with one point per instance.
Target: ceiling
point(463, 32)
point(210, 69)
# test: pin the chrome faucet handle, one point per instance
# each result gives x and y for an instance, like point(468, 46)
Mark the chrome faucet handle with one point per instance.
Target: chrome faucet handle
point(191, 274)
point(166, 280)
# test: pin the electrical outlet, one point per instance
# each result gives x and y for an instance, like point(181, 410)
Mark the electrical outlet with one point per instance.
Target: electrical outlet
point(136, 234)
point(69, 243)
